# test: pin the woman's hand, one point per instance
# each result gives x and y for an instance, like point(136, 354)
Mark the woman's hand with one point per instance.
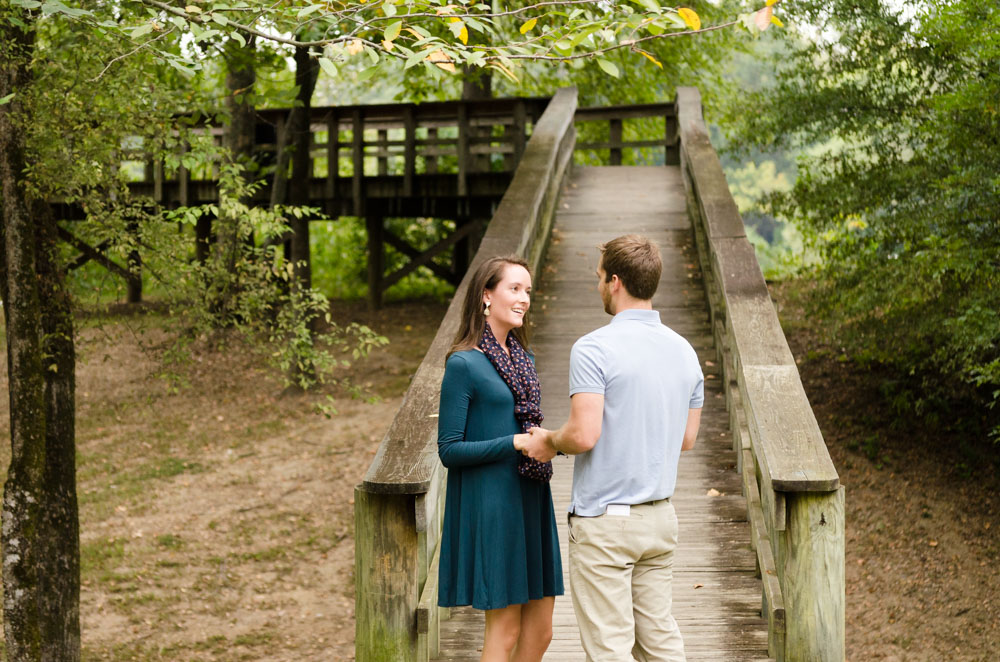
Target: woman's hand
point(536, 444)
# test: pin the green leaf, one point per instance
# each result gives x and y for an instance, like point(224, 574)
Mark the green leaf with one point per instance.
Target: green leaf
point(608, 67)
point(389, 9)
point(392, 30)
point(238, 37)
point(651, 5)
point(27, 4)
point(220, 19)
point(142, 30)
point(305, 11)
point(7, 98)
point(367, 74)
point(328, 67)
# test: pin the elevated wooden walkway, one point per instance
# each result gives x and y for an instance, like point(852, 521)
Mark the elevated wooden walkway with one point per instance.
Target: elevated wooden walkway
point(716, 590)
point(760, 570)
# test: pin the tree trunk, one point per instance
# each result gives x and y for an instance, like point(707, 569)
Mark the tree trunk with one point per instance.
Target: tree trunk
point(40, 538)
point(306, 72)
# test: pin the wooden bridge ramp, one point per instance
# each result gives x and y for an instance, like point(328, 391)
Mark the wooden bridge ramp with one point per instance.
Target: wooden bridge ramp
point(716, 593)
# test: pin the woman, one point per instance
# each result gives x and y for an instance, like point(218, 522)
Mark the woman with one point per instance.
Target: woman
point(499, 548)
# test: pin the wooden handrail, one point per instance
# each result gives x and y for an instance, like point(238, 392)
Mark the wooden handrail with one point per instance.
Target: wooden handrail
point(398, 505)
point(794, 497)
point(615, 116)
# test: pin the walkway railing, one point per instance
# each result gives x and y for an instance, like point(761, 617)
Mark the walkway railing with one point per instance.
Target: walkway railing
point(794, 498)
point(398, 506)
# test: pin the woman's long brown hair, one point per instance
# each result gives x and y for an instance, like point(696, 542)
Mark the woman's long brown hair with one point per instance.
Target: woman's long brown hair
point(487, 277)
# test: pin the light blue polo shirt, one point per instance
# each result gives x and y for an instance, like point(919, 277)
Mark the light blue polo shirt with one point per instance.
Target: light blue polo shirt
point(650, 376)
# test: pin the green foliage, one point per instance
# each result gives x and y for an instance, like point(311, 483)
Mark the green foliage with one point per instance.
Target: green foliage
point(255, 292)
point(339, 248)
point(906, 214)
point(427, 35)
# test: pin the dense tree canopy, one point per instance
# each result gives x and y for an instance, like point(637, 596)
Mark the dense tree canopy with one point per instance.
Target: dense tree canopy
point(905, 207)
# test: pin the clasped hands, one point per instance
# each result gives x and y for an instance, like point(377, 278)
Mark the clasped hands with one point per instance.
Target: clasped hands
point(536, 444)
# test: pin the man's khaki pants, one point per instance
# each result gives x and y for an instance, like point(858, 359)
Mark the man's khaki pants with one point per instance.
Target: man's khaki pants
point(620, 569)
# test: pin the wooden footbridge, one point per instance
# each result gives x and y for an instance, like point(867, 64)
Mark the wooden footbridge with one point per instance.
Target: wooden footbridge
point(759, 574)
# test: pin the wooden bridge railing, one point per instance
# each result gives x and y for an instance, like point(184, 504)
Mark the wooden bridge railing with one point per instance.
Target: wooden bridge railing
point(794, 497)
point(616, 143)
point(378, 153)
point(398, 506)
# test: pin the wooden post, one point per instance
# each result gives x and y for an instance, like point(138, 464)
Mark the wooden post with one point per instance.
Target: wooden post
point(520, 130)
point(814, 577)
point(463, 150)
point(672, 154)
point(409, 150)
point(383, 151)
point(332, 161)
point(386, 577)
point(615, 138)
point(461, 253)
point(430, 154)
point(358, 158)
point(376, 266)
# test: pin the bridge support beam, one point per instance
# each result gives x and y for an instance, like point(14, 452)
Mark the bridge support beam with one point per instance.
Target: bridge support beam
point(375, 226)
point(814, 577)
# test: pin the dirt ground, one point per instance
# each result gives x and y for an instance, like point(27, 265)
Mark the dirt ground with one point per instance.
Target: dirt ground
point(923, 546)
point(217, 519)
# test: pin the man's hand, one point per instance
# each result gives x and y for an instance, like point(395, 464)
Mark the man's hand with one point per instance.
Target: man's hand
point(538, 445)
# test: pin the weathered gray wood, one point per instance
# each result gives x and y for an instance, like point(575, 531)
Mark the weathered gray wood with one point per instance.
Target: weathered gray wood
point(375, 226)
point(358, 160)
point(715, 202)
point(716, 594)
point(790, 482)
point(383, 157)
point(814, 577)
point(407, 455)
point(463, 150)
point(628, 111)
point(789, 442)
point(430, 159)
point(410, 150)
point(386, 577)
point(332, 158)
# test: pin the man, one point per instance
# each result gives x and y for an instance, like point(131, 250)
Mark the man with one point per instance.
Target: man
point(636, 391)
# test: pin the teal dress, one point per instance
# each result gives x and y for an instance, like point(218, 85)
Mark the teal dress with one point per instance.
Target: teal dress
point(499, 544)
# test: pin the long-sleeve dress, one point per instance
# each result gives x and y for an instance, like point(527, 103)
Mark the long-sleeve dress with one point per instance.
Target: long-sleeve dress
point(499, 544)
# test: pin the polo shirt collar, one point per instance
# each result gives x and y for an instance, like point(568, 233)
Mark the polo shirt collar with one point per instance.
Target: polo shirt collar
point(648, 316)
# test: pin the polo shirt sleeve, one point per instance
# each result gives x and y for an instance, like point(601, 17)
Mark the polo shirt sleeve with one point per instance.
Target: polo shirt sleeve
point(698, 392)
point(586, 368)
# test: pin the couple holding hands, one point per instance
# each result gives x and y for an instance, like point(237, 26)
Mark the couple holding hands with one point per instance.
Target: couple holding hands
point(636, 390)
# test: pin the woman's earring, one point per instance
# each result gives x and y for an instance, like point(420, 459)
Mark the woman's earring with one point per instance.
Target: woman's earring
point(486, 311)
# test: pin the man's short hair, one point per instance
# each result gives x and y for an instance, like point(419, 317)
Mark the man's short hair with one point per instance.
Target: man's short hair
point(636, 260)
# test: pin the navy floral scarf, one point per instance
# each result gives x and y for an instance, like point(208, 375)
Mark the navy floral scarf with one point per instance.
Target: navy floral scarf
point(518, 372)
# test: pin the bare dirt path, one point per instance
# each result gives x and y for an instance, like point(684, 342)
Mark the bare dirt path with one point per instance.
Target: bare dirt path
point(217, 521)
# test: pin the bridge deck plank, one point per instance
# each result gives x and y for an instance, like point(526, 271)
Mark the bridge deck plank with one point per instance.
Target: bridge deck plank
point(717, 596)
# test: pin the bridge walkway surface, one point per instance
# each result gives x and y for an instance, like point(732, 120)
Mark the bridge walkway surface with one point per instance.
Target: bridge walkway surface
point(716, 590)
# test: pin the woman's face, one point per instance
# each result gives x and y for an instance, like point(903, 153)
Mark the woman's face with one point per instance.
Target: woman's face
point(510, 299)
